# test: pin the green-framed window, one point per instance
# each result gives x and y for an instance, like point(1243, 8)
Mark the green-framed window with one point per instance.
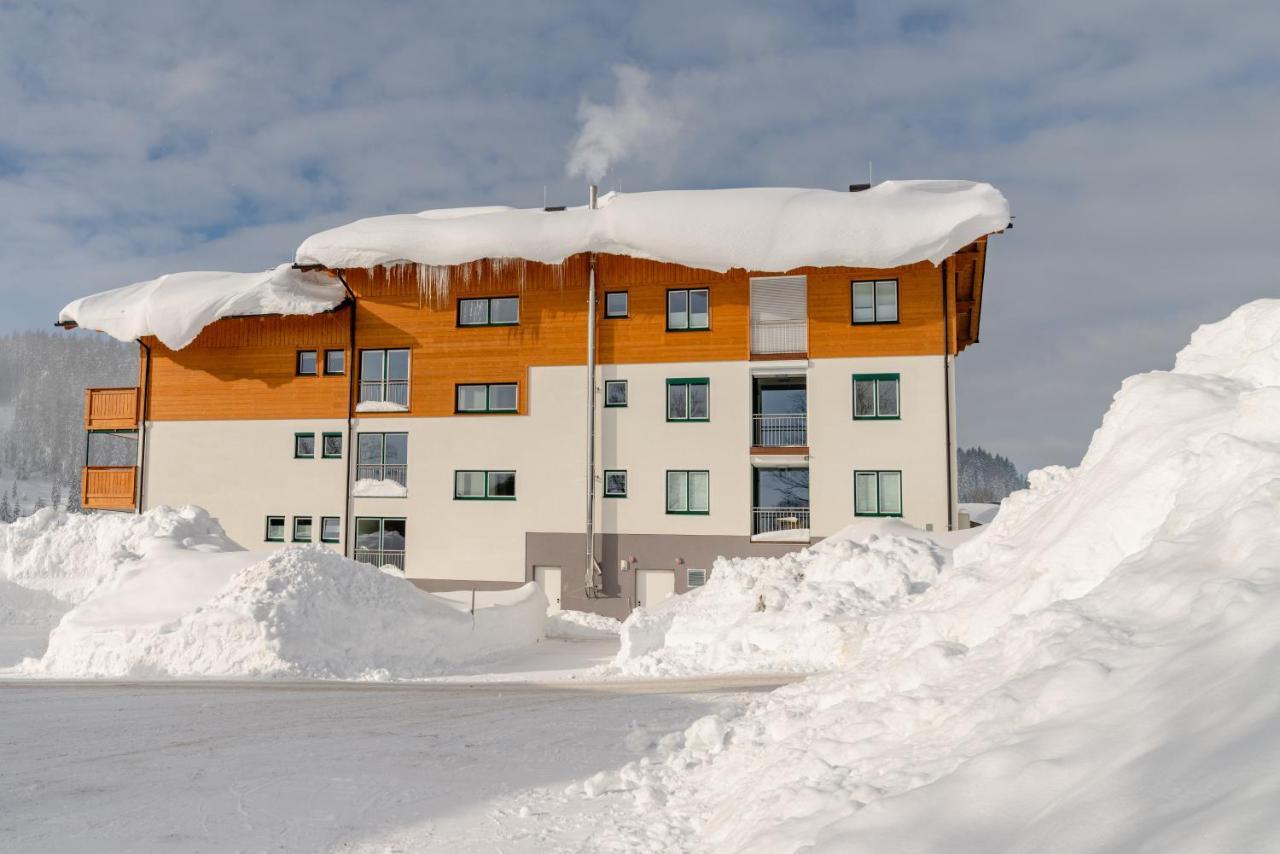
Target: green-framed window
point(330, 529)
point(275, 529)
point(617, 304)
point(615, 483)
point(876, 397)
point(478, 485)
point(335, 363)
point(304, 446)
point(877, 493)
point(615, 394)
point(688, 309)
point(689, 492)
point(486, 397)
point(489, 311)
point(689, 399)
point(331, 446)
point(384, 376)
point(306, 364)
point(302, 529)
point(874, 301)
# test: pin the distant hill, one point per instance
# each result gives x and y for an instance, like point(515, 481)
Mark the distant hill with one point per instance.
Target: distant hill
point(985, 477)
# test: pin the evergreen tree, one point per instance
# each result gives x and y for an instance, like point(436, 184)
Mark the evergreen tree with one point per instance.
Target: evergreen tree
point(55, 496)
point(986, 478)
point(6, 512)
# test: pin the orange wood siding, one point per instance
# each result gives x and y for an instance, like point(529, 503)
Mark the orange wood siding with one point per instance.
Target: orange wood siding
point(108, 487)
point(918, 332)
point(111, 408)
point(244, 367)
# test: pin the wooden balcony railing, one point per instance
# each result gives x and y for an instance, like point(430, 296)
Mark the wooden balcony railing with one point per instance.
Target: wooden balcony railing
point(108, 487)
point(111, 409)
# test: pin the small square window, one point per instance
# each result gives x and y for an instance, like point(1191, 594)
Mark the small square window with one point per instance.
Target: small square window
point(615, 484)
point(302, 529)
point(306, 364)
point(617, 304)
point(330, 529)
point(335, 362)
point(615, 393)
point(469, 484)
point(304, 445)
point(331, 446)
point(502, 484)
point(275, 529)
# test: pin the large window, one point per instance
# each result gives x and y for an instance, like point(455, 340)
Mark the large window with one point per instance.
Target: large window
point(304, 446)
point(486, 397)
point(380, 542)
point(875, 396)
point(688, 308)
point(489, 311)
point(615, 393)
point(383, 456)
point(689, 492)
point(302, 529)
point(330, 529)
point(615, 484)
point(384, 377)
point(617, 304)
point(877, 493)
point(689, 399)
point(875, 302)
point(484, 485)
point(275, 529)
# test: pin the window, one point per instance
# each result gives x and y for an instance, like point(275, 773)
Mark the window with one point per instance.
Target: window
point(302, 529)
point(617, 304)
point(306, 364)
point(695, 577)
point(615, 484)
point(380, 542)
point(484, 485)
point(304, 446)
point(335, 362)
point(688, 309)
point(490, 397)
point(875, 396)
point(877, 493)
point(331, 446)
point(275, 529)
point(383, 456)
point(875, 302)
point(330, 529)
point(615, 393)
point(489, 311)
point(689, 492)
point(689, 399)
point(384, 376)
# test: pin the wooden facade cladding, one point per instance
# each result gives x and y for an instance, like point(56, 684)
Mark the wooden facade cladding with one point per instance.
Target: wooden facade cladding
point(244, 368)
point(111, 408)
point(108, 487)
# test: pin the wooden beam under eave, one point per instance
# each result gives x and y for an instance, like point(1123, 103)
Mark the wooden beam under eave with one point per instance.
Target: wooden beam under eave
point(980, 273)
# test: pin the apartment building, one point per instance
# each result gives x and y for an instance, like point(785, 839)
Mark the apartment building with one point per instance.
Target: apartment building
point(487, 397)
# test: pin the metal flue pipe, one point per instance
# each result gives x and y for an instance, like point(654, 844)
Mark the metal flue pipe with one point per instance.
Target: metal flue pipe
point(591, 585)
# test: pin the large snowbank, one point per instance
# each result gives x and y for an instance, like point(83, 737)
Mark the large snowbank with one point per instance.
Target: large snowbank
point(801, 611)
point(1096, 672)
point(174, 308)
point(760, 228)
point(166, 594)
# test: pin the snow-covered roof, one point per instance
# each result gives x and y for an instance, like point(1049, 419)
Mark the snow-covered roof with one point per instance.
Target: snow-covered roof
point(174, 308)
point(768, 229)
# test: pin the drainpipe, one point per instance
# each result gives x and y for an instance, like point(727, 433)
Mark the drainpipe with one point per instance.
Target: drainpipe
point(352, 367)
point(591, 587)
point(946, 390)
point(142, 426)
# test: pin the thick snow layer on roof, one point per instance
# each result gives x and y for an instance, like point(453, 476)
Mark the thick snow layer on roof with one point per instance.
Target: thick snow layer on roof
point(174, 308)
point(770, 229)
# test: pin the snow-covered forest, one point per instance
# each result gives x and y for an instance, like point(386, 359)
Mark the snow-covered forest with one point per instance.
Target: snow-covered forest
point(43, 376)
point(987, 478)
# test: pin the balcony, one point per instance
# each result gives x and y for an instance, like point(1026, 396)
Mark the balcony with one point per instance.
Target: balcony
point(394, 473)
point(381, 558)
point(108, 487)
point(780, 524)
point(780, 431)
point(779, 338)
point(111, 408)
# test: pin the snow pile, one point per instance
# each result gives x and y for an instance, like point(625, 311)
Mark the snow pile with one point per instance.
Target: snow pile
point(760, 228)
point(1096, 672)
point(372, 488)
point(581, 625)
point(174, 308)
point(801, 611)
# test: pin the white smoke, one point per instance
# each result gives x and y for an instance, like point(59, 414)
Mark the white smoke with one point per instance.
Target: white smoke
point(639, 123)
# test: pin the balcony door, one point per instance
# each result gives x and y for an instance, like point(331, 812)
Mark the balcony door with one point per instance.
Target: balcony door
point(780, 412)
point(781, 505)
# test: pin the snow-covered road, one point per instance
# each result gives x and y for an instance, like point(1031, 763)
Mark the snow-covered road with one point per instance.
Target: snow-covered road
point(252, 766)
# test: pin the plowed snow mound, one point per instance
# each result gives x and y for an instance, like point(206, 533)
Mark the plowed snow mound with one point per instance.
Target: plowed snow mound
point(1096, 673)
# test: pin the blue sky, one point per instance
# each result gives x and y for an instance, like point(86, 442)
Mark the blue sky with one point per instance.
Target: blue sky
point(1136, 142)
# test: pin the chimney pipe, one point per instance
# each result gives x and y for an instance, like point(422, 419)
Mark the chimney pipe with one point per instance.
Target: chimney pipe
point(592, 193)
point(858, 188)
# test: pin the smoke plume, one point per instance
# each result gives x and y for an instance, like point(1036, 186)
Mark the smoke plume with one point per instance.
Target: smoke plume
point(639, 124)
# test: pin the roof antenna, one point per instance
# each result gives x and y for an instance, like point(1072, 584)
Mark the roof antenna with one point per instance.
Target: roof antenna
point(544, 197)
point(869, 181)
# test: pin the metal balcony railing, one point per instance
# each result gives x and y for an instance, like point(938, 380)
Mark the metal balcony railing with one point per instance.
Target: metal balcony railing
point(779, 336)
point(399, 474)
point(780, 431)
point(780, 520)
point(381, 557)
point(385, 391)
